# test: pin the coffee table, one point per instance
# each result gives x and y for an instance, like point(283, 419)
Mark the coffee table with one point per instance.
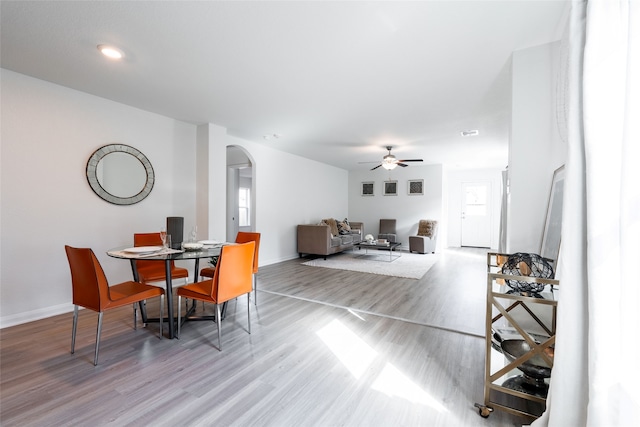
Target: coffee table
point(390, 247)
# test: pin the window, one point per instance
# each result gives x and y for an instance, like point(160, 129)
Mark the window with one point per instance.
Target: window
point(476, 200)
point(244, 207)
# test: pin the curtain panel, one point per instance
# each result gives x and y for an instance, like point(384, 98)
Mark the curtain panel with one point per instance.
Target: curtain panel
point(595, 379)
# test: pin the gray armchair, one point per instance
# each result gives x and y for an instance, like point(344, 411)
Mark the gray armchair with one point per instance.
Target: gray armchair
point(425, 241)
point(387, 230)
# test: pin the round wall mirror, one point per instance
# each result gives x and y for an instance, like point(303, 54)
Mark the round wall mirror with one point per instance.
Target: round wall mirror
point(120, 174)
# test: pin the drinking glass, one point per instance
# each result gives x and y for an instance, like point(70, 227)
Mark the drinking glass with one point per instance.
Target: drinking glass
point(168, 241)
point(163, 237)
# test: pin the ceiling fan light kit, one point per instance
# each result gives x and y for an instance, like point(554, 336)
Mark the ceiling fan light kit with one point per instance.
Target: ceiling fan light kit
point(389, 161)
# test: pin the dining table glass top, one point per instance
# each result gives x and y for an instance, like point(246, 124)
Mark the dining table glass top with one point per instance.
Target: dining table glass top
point(165, 254)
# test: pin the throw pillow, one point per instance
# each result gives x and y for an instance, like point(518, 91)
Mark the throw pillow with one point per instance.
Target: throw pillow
point(425, 228)
point(343, 227)
point(333, 225)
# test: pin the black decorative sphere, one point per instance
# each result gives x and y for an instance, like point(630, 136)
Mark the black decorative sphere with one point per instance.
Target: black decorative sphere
point(524, 264)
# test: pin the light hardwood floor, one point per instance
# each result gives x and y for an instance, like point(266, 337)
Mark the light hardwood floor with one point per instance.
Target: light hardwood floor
point(405, 353)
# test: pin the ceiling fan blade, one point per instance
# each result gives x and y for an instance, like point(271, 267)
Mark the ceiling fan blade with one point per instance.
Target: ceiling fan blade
point(411, 160)
point(401, 164)
point(376, 167)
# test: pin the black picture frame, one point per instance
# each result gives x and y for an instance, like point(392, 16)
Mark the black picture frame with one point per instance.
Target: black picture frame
point(415, 187)
point(367, 188)
point(390, 188)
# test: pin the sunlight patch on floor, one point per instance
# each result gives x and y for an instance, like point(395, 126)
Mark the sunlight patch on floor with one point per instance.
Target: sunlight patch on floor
point(356, 355)
point(394, 383)
point(350, 349)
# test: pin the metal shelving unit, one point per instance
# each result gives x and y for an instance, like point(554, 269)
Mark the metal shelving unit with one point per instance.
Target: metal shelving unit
point(517, 381)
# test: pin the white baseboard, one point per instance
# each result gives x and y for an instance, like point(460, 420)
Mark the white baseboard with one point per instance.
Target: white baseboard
point(30, 316)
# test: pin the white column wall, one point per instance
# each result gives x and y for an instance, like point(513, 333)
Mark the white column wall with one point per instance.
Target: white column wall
point(211, 165)
point(536, 148)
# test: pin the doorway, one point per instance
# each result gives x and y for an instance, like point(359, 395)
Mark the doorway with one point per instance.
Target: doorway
point(241, 194)
point(475, 227)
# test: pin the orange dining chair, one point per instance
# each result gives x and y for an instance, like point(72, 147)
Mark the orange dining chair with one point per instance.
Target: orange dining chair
point(154, 271)
point(91, 290)
point(231, 278)
point(243, 237)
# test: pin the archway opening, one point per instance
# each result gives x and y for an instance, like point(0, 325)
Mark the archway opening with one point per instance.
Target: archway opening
point(241, 192)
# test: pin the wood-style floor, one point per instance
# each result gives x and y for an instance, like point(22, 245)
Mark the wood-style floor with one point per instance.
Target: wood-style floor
point(327, 348)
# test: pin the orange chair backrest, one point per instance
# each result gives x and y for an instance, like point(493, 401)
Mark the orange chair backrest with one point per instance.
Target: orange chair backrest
point(88, 281)
point(149, 239)
point(244, 237)
point(234, 271)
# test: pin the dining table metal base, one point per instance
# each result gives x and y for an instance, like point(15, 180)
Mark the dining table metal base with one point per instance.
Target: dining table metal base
point(189, 316)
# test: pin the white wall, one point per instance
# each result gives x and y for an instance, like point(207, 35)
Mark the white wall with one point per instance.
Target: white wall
point(454, 181)
point(290, 190)
point(536, 148)
point(406, 209)
point(48, 134)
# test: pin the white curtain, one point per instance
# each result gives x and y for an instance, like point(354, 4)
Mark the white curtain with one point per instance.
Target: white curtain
point(595, 380)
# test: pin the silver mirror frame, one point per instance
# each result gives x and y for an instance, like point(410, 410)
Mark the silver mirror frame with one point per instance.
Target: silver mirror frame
point(92, 167)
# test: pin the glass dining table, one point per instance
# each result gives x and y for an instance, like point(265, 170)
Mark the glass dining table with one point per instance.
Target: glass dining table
point(167, 255)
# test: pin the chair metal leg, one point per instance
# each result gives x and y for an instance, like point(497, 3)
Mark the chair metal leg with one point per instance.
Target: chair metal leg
point(255, 289)
point(161, 314)
point(179, 318)
point(143, 310)
point(218, 321)
point(249, 311)
point(95, 358)
point(135, 317)
point(74, 329)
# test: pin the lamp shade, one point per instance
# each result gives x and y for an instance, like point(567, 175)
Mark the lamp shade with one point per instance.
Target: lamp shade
point(389, 166)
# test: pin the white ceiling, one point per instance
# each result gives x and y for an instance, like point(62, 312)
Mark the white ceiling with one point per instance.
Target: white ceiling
point(339, 80)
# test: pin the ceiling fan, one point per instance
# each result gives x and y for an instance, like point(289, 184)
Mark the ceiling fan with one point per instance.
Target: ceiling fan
point(390, 162)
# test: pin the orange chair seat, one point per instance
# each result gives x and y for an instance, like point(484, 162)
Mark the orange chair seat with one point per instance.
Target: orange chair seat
point(129, 293)
point(200, 291)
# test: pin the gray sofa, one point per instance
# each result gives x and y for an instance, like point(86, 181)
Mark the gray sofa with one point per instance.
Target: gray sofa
point(318, 239)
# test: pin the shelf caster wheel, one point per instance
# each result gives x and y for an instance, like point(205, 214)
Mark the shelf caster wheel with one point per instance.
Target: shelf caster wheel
point(483, 411)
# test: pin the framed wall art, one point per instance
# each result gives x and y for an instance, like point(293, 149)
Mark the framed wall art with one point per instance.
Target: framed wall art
point(367, 188)
point(550, 246)
point(390, 188)
point(415, 187)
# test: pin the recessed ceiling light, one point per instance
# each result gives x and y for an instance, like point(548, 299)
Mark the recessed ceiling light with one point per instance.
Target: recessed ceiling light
point(473, 132)
point(110, 51)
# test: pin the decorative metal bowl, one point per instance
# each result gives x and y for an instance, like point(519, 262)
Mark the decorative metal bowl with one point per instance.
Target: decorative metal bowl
point(524, 264)
point(535, 367)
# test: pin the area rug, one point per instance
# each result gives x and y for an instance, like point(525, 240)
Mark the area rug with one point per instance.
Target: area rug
point(409, 265)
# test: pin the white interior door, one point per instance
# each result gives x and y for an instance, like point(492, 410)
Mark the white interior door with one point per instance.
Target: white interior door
point(476, 214)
